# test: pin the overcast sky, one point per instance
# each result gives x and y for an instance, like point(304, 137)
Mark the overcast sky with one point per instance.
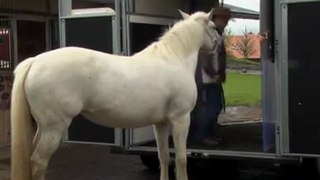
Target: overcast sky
point(238, 25)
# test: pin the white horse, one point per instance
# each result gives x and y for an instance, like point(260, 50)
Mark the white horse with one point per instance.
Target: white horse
point(153, 87)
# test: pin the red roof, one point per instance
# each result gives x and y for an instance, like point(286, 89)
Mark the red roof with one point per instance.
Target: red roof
point(233, 48)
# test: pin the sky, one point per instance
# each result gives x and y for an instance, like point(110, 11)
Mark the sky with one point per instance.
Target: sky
point(237, 26)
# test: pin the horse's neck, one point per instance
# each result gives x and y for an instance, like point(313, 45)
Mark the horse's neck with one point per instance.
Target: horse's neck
point(191, 62)
point(186, 48)
point(182, 47)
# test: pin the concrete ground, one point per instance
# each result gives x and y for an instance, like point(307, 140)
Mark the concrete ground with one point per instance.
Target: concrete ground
point(92, 162)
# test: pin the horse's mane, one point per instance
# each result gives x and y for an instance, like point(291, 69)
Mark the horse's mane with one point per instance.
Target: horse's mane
point(178, 40)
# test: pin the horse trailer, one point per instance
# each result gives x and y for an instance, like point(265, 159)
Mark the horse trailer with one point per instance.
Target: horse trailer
point(288, 128)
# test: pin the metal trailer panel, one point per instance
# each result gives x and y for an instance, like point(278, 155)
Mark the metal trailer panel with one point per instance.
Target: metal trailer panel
point(268, 75)
point(141, 135)
point(203, 153)
point(301, 127)
point(79, 33)
point(29, 6)
point(297, 1)
point(281, 75)
point(277, 61)
point(159, 8)
point(143, 24)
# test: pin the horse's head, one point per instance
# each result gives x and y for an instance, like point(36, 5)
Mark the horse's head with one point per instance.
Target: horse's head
point(211, 38)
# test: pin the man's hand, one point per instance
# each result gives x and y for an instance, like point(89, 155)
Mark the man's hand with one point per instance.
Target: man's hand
point(263, 35)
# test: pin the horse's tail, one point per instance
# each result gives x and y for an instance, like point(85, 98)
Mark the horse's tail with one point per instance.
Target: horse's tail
point(21, 125)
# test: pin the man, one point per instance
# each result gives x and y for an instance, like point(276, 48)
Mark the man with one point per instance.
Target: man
point(209, 81)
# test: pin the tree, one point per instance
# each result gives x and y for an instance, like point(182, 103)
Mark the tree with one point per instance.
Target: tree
point(227, 43)
point(246, 44)
point(227, 36)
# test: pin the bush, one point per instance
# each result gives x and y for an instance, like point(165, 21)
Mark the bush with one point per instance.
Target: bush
point(241, 64)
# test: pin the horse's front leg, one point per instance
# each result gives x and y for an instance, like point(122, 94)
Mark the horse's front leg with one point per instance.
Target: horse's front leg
point(162, 134)
point(180, 128)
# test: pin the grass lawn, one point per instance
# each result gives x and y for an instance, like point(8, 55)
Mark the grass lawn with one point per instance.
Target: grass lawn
point(242, 89)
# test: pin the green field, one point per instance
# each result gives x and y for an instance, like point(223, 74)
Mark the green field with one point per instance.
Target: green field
point(242, 89)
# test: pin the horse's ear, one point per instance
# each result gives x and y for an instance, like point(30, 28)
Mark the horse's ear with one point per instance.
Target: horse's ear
point(183, 14)
point(210, 13)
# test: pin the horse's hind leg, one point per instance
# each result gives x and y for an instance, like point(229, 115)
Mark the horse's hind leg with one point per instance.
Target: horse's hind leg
point(47, 142)
point(162, 134)
point(180, 129)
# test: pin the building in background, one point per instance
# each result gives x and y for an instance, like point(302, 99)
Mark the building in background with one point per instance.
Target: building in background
point(240, 43)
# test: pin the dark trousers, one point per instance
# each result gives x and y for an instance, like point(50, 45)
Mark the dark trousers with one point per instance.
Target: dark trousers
point(208, 107)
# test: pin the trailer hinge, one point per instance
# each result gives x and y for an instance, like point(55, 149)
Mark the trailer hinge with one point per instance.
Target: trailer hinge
point(276, 46)
point(277, 129)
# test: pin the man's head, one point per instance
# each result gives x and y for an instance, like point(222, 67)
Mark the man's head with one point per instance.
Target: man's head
point(221, 16)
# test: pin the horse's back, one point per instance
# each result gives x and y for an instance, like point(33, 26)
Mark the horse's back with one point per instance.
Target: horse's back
point(64, 76)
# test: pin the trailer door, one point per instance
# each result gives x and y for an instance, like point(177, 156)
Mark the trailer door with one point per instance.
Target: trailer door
point(299, 74)
point(98, 30)
point(141, 31)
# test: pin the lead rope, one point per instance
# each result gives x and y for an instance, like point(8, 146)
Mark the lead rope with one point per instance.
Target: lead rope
point(223, 99)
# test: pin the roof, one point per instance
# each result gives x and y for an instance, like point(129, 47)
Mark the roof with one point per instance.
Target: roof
point(239, 12)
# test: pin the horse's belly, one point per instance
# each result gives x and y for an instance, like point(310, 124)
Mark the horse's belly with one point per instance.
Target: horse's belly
point(123, 120)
